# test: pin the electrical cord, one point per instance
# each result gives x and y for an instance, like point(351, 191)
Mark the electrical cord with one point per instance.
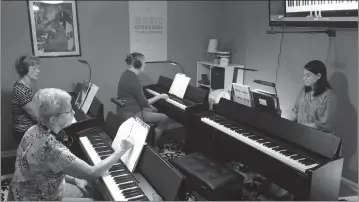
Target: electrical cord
point(278, 59)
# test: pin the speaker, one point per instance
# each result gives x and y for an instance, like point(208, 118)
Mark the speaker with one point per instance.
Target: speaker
point(217, 78)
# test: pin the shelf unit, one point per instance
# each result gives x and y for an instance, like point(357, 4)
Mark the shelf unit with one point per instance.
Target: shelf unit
point(204, 67)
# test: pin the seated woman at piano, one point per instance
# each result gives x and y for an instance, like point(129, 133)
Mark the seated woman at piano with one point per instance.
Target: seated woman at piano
point(131, 90)
point(316, 102)
point(45, 169)
point(23, 117)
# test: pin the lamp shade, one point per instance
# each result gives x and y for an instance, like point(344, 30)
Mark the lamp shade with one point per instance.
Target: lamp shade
point(212, 46)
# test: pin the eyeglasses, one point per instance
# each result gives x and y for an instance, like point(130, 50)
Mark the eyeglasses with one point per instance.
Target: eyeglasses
point(70, 112)
point(35, 67)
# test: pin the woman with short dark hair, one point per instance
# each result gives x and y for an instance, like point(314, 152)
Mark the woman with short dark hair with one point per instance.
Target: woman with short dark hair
point(316, 103)
point(23, 117)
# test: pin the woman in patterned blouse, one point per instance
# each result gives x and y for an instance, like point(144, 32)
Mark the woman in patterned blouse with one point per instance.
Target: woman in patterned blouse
point(27, 66)
point(316, 102)
point(45, 169)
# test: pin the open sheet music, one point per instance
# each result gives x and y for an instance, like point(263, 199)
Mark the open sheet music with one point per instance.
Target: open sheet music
point(179, 85)
point(85, 96)
point(137, 130)
point(242, 94)
point(89, 98)
point(85, 88)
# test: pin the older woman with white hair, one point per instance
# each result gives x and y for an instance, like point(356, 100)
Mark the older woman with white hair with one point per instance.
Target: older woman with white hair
point(45, 169)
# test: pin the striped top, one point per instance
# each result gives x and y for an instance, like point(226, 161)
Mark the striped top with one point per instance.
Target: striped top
point(21, 95)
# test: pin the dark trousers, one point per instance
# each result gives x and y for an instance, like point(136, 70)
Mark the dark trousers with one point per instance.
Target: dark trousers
point(159, 120)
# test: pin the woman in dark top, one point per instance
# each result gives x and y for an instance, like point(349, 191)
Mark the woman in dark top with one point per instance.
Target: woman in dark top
point(23, 117)
point(131, 90)
point(316, 102)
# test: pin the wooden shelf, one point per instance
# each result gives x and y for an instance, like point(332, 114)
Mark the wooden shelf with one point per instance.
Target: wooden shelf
point(204, 85)
point(206, 67)
point(218, 65)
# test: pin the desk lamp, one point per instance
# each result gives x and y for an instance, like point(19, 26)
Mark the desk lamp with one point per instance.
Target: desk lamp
point(86, 63)
point(275, 94)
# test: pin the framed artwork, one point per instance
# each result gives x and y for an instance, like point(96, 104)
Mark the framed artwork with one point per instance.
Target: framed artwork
point(54, 28)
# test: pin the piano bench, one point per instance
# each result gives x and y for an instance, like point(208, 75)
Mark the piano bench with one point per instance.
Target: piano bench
point(210, 179)
point(174, 132)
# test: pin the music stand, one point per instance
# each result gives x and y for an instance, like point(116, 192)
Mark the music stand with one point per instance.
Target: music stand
point(266, 101)
point(242, 94)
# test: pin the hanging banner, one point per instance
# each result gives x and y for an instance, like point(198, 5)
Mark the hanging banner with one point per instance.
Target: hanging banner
point(148, 29)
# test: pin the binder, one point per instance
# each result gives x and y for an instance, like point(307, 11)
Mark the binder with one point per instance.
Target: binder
point(137, 130)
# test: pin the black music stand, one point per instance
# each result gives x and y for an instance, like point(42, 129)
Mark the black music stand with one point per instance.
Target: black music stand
point(272, 104)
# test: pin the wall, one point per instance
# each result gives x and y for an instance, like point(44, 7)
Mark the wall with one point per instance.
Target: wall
point(104, 37)
point(243, 31)
point(190, 26)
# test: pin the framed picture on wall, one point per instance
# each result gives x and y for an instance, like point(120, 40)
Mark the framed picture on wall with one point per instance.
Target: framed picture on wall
point(54, 28)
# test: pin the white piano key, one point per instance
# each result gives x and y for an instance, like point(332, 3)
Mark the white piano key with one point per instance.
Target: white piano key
point(179, 105)
point(324, 6)
point(152, 92)
point(259, 146)
point(109, 181)
point(90, 150)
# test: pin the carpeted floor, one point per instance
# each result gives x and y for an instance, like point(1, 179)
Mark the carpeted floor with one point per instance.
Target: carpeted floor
point(172, 150)
point(5, 181)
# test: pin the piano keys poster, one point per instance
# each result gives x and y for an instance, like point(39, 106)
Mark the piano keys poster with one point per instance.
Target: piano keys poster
point(148, 28)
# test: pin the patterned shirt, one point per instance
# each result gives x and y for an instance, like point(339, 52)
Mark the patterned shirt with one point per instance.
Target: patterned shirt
point(40, 160)
point(21, 95)
point(318, 110)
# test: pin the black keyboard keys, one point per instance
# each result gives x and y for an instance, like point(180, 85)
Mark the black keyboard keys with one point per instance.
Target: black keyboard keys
point(102, 149)
point(306, 161)
point(297, 157)
point(126, 186)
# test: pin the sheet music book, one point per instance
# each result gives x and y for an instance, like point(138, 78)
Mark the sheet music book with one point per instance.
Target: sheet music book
point(242, 94)
point(89, 98)
point(138, 131)
point(179, 85)
point(81, 97)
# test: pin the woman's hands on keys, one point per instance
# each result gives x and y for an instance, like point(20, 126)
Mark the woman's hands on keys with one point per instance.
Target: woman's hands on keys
point(163, 96)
